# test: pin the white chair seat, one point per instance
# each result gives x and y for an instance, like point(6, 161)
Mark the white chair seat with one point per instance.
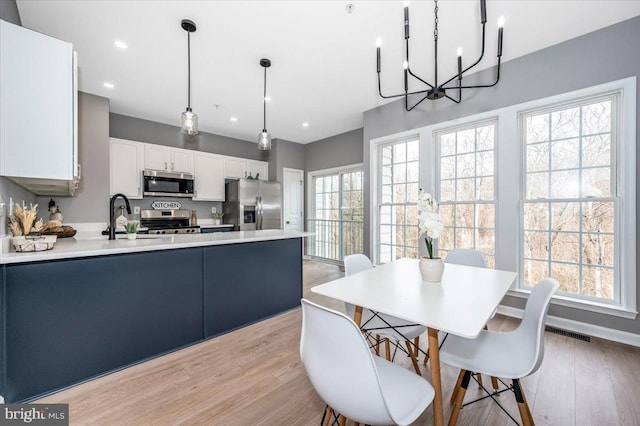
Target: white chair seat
point(405, 393)
point(506, 355)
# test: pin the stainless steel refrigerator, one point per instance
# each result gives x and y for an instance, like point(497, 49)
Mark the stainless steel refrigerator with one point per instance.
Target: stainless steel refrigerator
point(253, 204)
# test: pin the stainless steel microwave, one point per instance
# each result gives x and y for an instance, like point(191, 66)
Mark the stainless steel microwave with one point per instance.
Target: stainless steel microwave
point(166, 184)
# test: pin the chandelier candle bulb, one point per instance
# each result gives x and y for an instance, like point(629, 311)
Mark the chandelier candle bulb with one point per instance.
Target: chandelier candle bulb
point(406, 21)
point(500, 42)
point(483, 11)
point(378, 44)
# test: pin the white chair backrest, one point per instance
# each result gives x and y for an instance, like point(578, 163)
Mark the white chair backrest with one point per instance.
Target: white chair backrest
point(340, 365)
point(467, 257)
point(353, 264)
point(531, 329)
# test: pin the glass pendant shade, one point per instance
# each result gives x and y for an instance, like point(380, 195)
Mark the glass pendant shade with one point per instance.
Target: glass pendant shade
point(189, 122)
point(264, 140)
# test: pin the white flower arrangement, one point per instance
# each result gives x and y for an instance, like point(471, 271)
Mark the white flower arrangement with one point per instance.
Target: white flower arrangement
point(428, 220)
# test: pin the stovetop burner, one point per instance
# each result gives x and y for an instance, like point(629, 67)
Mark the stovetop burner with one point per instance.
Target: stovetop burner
point(168, 222)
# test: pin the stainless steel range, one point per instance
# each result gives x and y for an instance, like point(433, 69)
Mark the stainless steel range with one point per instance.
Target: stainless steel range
point(168, 222)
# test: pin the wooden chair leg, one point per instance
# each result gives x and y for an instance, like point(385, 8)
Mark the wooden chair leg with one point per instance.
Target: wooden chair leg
point(455, 388)
point(523, 407)
point(342, 420)
point(462, 389)
point(416, 342)
point(378, 344)
point(479, 377)
point(327, 416)
point(414, 360)
point(387, 347)
point(494, 383)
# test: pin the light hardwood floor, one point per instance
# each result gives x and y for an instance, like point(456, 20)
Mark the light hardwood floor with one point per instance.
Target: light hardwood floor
point(254, 376)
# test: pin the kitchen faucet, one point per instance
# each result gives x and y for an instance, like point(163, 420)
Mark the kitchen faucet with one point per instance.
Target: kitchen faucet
point(112, 218)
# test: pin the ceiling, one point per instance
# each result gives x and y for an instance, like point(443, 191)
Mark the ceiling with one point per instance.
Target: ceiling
point(323, 58)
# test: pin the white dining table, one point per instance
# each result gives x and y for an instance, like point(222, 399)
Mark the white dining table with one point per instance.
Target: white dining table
point(460, 304)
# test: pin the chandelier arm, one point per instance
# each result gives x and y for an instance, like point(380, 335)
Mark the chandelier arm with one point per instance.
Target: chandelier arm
point(481, 85)
point(406, 106)
point(398, 95)
point(455, 100)
point(415, 76)
point(472, 65)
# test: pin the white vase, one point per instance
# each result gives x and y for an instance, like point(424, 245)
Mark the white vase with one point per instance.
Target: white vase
point(431, 269)
point(132, 236)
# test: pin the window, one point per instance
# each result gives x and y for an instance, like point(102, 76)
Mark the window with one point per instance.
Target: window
point(570, 207)
point(466, 189)
point(397, 197)
point(336, 214)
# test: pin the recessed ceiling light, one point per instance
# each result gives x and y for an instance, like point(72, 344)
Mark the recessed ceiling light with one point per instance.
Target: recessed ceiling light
point(267, 98)
point(120, 44)
point(234, 119)
point(305, 124)
point(109, 85)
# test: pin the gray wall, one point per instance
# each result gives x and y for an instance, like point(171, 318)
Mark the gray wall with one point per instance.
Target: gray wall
point(287, 154)
point(90, 203)
point(339, 150)
point(137, 129)
point(8, 189)
point(598, 57)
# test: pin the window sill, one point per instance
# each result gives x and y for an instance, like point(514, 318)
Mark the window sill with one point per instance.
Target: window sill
point(584, 305)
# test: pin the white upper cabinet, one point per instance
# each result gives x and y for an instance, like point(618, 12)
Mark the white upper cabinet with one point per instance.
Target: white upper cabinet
point(125, 165)
point(241, 167)
point(208, 177)
point(158, 157)
point(37, 106)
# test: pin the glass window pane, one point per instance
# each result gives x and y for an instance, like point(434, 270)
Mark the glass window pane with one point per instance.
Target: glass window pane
point(413, 151)
point(565, 184)
point(464, 215)
point(596, 182)
point(447, 190)
point(387, 154)
point(387, 196)
point(385, 214)
point(565, 123)
point(466, 166)
point(484, 186)
point(399, 193)
point(486, 215)
point(596, 118)
point(399, 153)
point(485, 240)
point(446, 214)
point(536, 216)
point(387, 173)
point(538, 157)
point(484, 163)
point(466, 141)
point(448, 144)
point(534, 271)
point(565, 154)
point(597, 282)
point(537, 186)
point(465, 189)
point(399, 173)
point(564, 247)
point(536, 245)
point(447, 167)
point(412, 192)
point(385, 234)
point(598, 249)
point(538, 128)
point(485, 137)
point(412, 171)
point(565, 216)
point(597, 217)
point(568, 275)
point(596, 151)
point(464, 238)
point(446, 239)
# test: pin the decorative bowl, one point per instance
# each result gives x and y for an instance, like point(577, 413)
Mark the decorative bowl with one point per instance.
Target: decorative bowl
point(34, 243)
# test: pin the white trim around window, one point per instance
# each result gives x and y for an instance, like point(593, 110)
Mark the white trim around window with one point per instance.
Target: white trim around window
point(510, 172)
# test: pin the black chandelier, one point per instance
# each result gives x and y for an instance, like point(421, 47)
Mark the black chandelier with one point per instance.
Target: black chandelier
point(439, 90)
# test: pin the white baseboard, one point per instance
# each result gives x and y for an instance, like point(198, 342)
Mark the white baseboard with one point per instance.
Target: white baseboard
point(579, 327)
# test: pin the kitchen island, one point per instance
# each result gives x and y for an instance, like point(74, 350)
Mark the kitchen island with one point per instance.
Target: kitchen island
point(91, 306)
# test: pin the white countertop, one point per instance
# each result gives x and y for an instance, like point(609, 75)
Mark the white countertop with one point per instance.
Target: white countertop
point(90, 244)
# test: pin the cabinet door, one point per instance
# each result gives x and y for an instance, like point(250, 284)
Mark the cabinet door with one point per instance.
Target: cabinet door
point(181, 161)
point(125, 168)
point(36, 105)
point(261, 167)
point(235, 167)
point(156, 157)
point(208, 177)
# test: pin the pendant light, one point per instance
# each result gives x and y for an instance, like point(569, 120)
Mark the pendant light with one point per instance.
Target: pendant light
point(264, 138)
point(189, 120)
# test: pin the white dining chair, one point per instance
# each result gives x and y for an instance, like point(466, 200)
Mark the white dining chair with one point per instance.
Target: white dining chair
point(387, 327)
point(510, 355)
point(357, 384)
point(468, 257)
